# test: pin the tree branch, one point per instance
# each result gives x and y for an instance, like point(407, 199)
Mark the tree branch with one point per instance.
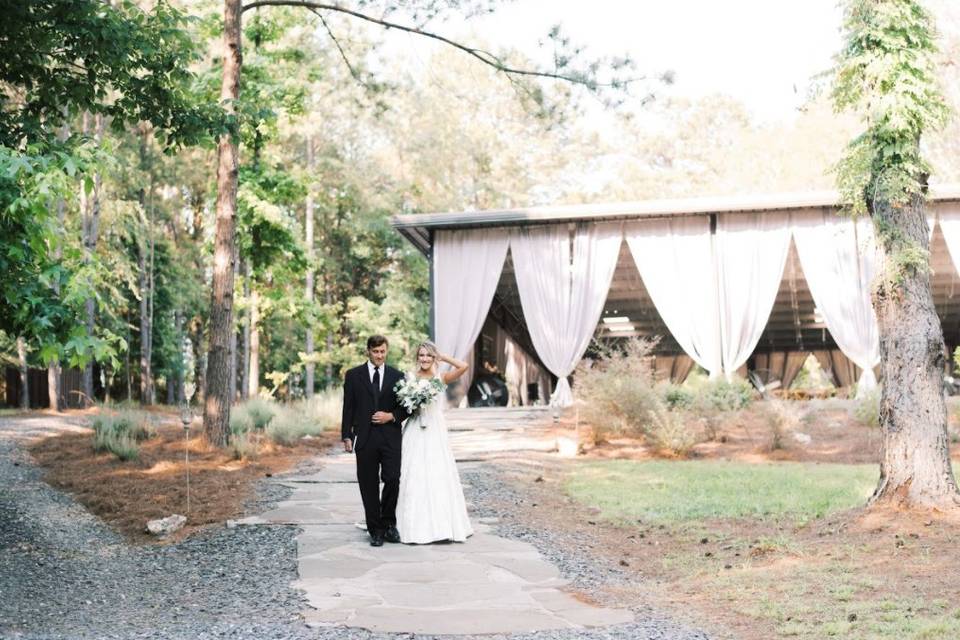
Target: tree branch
point(343, 54)
point(483, 56)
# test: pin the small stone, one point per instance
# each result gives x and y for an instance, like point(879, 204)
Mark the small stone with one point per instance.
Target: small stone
point(166, 526)
point(728, 566)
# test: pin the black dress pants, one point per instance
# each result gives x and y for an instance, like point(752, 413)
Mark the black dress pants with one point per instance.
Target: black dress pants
point(379, 459)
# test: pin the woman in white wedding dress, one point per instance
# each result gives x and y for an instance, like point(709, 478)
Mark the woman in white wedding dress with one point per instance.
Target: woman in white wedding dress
point(431, 505)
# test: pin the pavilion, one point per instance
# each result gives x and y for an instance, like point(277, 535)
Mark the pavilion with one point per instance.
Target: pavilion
point(731, 284)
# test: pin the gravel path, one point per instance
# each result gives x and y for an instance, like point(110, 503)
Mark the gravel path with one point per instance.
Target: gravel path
point(63, 574)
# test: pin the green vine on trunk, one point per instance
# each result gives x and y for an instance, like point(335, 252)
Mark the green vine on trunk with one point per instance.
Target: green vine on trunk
point(886, 71)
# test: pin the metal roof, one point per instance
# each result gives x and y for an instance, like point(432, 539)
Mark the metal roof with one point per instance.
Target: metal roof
point(417, 227)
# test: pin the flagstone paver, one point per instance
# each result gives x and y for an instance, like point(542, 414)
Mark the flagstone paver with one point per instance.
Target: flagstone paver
point(487, 584)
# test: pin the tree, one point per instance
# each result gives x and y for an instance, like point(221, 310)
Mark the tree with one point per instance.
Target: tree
point(58, 59)
point(886, 70)
point(217, 405)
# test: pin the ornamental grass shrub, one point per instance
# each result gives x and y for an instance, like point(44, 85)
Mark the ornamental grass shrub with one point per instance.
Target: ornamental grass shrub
point(866, 408)
point(780, 417)
point(670, 430)
point(324, 408)
point(290, 425)
point(617, 389)
point(121, 432)
point(261, 411)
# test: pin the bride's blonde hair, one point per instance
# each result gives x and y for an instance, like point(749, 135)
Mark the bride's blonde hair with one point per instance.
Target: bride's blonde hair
point(431, 349)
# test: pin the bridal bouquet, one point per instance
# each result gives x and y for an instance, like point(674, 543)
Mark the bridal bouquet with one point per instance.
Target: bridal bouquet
point(414, 393)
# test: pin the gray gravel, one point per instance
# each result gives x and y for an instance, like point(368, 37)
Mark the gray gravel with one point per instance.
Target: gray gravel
point(64, 574)
point(586, 571)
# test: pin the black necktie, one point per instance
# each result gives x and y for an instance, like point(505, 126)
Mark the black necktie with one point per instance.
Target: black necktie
point(376, 381)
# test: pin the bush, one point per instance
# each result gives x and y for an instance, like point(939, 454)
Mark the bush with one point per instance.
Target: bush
point(290, 425)
point(240, 421)
point(617, 389)
point(709, 416)
point(261, 412)
point(867, 408)
point(243, 445)
point(727, 395)
point(121, 433)
point(781, 417)
point(671, 430)
point(676, 396)
point(324, 409)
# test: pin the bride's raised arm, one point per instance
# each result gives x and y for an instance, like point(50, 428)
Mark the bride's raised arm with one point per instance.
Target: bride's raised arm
point(459, 368)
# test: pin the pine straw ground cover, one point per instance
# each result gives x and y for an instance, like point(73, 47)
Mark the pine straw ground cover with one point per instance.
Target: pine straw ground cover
point(128, 494)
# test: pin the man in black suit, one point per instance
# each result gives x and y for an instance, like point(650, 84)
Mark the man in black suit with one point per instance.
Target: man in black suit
point(371, 427)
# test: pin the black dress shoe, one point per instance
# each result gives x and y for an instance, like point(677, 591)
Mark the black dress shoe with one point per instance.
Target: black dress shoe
point(376, 539)
point(392, 535)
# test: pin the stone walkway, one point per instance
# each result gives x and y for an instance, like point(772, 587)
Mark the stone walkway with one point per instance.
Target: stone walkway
point(486, 585)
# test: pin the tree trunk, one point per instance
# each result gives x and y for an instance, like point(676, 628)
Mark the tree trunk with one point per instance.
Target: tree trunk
point(90, 214)
point(216, 408)
point(179, 395)
point(914, 457)
point(254, 343)
point(53, 369)
point(24, 373)
point(146, 375)
point(233, 335)
point(245, 363)
point(308, 382)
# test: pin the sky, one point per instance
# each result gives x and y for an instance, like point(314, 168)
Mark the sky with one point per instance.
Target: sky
point(761, 52)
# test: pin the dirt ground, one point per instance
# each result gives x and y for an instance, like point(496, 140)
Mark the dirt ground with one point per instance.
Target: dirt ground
point(853, 574)
point(827, 431)
point(128, 494)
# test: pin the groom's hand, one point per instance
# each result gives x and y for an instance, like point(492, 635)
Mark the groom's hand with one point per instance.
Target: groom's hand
point(348, 445)
point(382, 417)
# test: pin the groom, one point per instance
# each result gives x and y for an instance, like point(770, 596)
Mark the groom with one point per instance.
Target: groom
point(371, 427)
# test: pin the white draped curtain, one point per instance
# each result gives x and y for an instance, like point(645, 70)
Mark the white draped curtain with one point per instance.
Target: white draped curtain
point(675, 259)
point(949, 217)
point(750, 251)
point(563, 286)
point(839, 260)
point(466, 269)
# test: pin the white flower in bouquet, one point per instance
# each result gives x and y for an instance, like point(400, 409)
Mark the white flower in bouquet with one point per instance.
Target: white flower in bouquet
point(413, 393)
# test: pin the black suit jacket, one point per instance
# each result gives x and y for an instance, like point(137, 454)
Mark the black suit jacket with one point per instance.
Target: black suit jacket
point(360, 403)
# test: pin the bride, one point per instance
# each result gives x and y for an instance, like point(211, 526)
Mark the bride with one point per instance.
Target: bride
point(431, 505)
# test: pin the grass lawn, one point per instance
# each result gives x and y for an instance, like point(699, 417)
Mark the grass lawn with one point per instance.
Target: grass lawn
point(774, 550)
point(664, 491)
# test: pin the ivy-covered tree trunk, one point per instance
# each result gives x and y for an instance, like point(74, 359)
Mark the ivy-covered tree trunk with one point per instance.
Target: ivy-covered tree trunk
point(915, 451)
point(887, 72)
point(216, 407)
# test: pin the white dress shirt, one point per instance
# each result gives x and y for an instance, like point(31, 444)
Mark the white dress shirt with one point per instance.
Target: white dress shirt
point(370, 369)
